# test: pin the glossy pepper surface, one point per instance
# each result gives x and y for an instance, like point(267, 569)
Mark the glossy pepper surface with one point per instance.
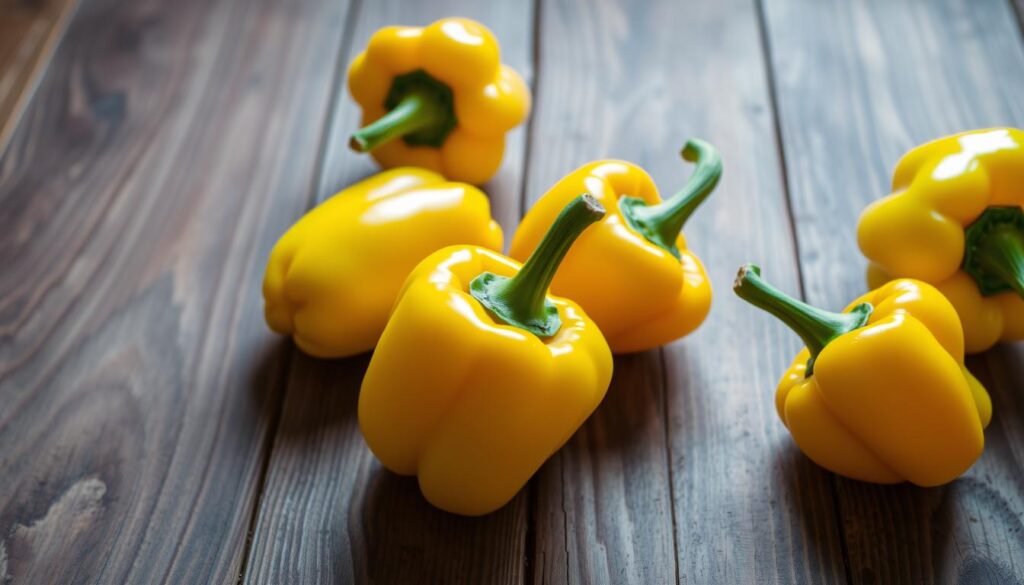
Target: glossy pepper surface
point(955, 219)
point(480, 376)
point(437, 97)
point(334, 276)
point(632, 272)
point(880, 392)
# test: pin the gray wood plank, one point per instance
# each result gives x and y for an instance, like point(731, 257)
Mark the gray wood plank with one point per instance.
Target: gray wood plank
point(683, 472)
point(167, 146)
point(330, 512)
point(751, 508)
point(29, 33)
point(858, 84)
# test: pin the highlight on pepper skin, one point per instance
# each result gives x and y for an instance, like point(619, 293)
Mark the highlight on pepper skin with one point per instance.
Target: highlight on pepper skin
point(880, 393)
point(653, 289)
point(438, 98)
point(333, 277)
point(480, 375)
point(955, 219)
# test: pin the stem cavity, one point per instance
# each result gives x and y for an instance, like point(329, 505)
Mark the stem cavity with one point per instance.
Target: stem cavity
point(421, 111)
point(521, 301)
point(994, 251)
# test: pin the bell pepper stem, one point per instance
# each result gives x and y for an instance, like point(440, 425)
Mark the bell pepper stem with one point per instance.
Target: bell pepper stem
point(522, 300)
point(815, 326)
point(1001, 252)
point(662, 223)
point(415, 111)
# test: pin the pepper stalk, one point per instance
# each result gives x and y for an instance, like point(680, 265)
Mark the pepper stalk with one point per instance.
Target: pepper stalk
point(662, 223)
point(816, 327)
point(521, 301)
point(421, 111)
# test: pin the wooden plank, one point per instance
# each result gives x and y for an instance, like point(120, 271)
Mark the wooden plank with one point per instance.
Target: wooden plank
point(29, 32)
point(165, 149)
point(330, 512)
point(858, 84)
point(750, 507)
point(682, 474)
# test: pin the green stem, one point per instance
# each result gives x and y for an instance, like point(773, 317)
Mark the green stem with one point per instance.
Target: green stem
point(662, 223)
point(994, 250)
point(522, 300)
point(416, 111)
point(814, 326)
point(1001, 253)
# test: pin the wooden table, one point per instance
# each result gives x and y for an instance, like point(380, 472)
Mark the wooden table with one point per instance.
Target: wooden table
point(153, 430)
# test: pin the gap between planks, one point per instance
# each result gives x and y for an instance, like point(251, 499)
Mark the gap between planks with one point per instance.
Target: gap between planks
point(780, 148)
point(281, 384)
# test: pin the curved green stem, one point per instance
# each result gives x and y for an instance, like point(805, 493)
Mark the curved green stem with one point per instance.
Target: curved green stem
point(522, 300)
point(1001, 253)
point(815, 326)
point(416, 111)
point(662, 223)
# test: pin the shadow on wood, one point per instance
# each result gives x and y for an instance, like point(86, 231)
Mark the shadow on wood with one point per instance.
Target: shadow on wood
point(407, 540)
point(933, 518)
point(627, 414)
point(959, 508)
point(328, 392)
point(264, 381)
point(1001, 370)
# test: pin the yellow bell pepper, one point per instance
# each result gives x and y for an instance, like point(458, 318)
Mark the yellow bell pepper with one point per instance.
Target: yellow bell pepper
point(880, 392)
point(479, 376)
point(333, 277)
point(632, 273)
point(441, 89)
point(956, 220)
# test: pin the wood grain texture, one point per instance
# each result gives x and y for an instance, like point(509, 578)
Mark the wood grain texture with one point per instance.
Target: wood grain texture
point(682, 473)
point(149, 422)
point(858, 84)
point(750, 508)
point(603, 509)
point(165, 149)
point(29, 32)
point(330, 512)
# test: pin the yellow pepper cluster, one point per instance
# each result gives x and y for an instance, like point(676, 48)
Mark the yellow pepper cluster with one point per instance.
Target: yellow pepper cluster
point(880, 392)
point(480, 372)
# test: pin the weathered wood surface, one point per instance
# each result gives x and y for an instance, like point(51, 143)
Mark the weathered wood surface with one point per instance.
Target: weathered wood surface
point(684, 459)
point(858, 84)
point(152, 430)
point(29, 32)
point(330, 512)
point(167, 147)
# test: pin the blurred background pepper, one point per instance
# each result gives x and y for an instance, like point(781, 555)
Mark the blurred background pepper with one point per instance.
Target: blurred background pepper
point(437, 97)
